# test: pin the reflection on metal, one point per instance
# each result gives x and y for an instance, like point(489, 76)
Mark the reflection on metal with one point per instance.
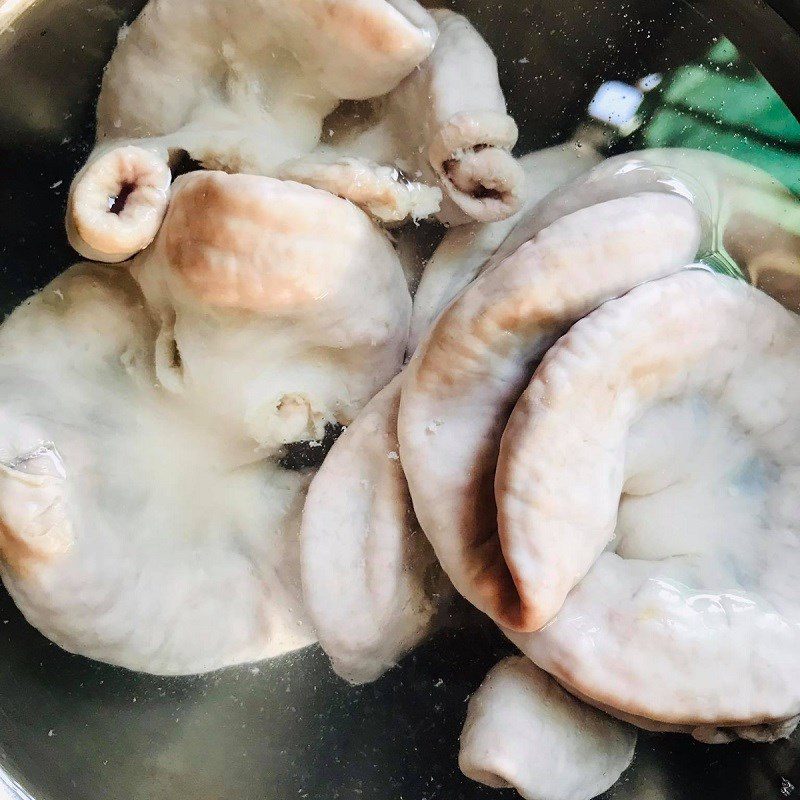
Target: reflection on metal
point(650, 82)
point(11, 790)
point(616, 103)
point(722, 103)
point(10, 10)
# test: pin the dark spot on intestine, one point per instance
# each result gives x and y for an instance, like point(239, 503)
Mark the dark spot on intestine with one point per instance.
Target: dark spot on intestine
point(299, 456)
point(181, 163)
point(116, 203)
point(481, 192)
point(476, 190)
point(176, 362)
point(449, 165)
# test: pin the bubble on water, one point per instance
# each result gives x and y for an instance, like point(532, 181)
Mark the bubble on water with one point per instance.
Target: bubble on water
point(433, 426)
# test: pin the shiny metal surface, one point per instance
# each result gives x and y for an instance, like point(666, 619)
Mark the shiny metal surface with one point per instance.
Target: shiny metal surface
point(71, 729)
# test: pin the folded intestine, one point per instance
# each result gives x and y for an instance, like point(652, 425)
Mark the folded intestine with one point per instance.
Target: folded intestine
point(147, 520)
point(248, 87)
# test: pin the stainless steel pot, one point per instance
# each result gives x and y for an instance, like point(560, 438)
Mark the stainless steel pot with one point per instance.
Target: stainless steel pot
point(71, 729)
